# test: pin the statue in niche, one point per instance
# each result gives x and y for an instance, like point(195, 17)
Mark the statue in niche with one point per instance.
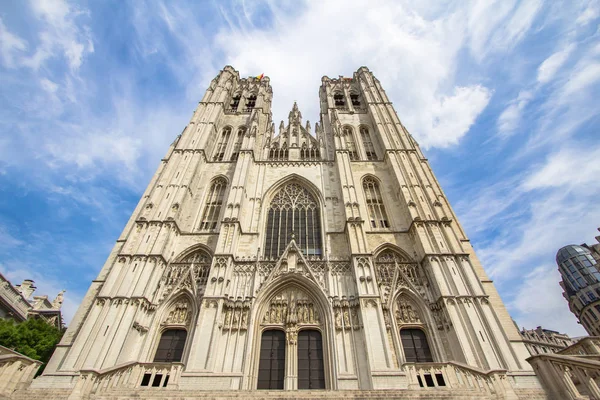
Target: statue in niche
point(338, 318)
point(311, 313)
point(179, 314)
point(354, 314)
point(346, 318)
point(245, 319)
point(236, 318)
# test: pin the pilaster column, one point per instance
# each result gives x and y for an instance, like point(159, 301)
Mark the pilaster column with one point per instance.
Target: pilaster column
point(291, 358)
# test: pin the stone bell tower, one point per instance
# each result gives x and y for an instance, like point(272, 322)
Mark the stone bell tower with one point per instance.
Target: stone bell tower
point(292, 260)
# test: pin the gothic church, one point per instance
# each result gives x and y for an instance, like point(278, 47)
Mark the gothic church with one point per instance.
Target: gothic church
point(323, 259)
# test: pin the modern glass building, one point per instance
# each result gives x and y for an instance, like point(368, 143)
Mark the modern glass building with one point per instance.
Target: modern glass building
point(581, 285)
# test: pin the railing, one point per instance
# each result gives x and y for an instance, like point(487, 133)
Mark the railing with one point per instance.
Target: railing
point(568, 377)
point(457, 375)
point(129, 375)
point(16, 370)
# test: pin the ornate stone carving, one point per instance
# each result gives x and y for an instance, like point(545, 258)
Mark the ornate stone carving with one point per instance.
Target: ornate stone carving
point(235, 315)
point(179, 314)
point(405, 312)
point(346, 313)
point(292, 307)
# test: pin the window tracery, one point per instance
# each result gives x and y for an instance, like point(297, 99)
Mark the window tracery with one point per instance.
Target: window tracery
point(311, 153)
point(367, 143)
point(278, 153)
point(222, 145)
point(238, 143)
point(214, 201)
point(293, 214)
point(375, 207)
point(350, 144)
point(235, 102)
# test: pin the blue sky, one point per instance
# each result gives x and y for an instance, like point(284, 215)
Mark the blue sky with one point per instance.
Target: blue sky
point(502, 96)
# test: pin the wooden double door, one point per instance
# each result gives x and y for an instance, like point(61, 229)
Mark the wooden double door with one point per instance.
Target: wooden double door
point(272, 365)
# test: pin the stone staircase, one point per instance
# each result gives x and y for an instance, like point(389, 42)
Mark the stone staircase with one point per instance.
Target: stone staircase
point(169, 394)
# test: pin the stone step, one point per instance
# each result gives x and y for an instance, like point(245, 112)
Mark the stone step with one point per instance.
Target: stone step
point(167, 394)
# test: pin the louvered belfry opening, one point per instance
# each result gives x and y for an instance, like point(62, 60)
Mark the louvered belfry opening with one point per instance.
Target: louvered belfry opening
point(293, 212)
point(311, 370)
point(271, 369)
point(416, 348)
point(170, 347)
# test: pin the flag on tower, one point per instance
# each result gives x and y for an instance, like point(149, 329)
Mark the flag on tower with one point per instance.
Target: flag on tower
point(259, 77)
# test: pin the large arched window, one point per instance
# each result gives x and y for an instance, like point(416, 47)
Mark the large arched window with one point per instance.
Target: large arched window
point(368, 143)
point(293, 213)
point(214, 201)
point(377, 215)
point(170, 347)
point(222, 145)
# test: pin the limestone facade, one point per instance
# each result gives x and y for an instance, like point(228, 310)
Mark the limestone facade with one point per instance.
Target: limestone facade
point(337, 239)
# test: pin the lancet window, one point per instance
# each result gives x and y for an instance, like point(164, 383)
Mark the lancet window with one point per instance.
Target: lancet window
point(214, 201)
point(367, 143)
point(375, 207)
point(222, 144)
point(350, 144)
point(354, 99)
point(293, 214)
point(278, 153)
point(311, 153)
point(238, 143)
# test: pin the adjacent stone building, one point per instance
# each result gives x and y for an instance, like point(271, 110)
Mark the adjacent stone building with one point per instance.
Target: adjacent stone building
point(293, 259)
point(18, 303)
point(540, 340)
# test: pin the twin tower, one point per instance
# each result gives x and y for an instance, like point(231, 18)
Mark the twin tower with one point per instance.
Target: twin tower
point(292, 258)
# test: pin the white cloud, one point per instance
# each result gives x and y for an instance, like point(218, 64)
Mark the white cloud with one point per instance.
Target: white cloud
point(591, 12)
point(551, 65)
point(60, 34)
point(539, 302)
point(452, 116)
point(567, 168)
point(423, 52)
point(9, 45)
point(582, 79)
point(509, 120)
point(499, 25)
point(48, 85)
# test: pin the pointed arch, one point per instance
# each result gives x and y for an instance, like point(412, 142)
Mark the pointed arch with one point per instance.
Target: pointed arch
point(411, 315)
point(292, 210)
point(275, 293)
point(387, 248)
point(175, 320)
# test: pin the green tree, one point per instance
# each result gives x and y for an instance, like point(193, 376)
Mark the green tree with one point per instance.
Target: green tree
point(34, 338)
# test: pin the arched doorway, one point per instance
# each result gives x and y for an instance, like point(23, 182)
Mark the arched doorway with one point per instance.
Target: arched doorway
point(293, 352)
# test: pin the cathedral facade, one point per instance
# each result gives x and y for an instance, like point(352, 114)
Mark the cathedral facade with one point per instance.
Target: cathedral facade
point(290, 259)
